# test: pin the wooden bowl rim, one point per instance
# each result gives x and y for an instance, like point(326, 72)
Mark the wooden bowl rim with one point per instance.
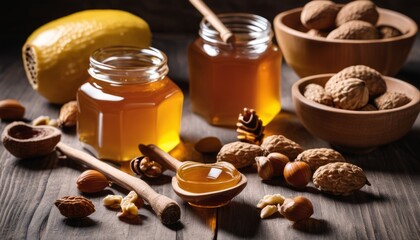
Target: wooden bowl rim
point(278, 23)
point(414, 103)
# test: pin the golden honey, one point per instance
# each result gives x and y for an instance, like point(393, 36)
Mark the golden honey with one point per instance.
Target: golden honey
point(226, 78)
point(128, 100)
point(202, 178)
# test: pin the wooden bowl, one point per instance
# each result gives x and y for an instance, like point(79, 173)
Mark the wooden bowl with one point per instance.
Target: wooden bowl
point(309, 55)
point(356, 131)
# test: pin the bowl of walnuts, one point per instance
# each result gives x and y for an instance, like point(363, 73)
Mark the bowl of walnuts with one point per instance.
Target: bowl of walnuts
point(356, 109)
point(325, 37)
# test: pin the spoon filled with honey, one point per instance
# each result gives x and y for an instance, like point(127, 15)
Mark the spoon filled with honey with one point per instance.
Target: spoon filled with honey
point(200, 184)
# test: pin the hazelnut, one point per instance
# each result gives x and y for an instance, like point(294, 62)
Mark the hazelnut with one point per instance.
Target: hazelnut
point(272, 165)
point(297, 174)
point(296, 209)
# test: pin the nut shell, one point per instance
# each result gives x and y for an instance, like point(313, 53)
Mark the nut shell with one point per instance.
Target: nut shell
point(373, 79)
point(208, 145)
point(386, 31)
point(91, 181)
point(75, 206)
point(317, 93)
point(349, 94)
point(11, 109)
point(319, 14)
point(356, 30)
point(358, 10)
point(391, 100)
point(283, 145)
point(339, 178)
point(68, 115)
point(297, 174)
point(239, 154)
point(318, 157)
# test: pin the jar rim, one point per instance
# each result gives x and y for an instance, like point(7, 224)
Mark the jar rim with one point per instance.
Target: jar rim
point(128, 64)
point(249, 29)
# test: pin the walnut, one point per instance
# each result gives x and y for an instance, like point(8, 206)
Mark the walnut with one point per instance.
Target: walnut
point(373, 79)
point(339, 178)
point(112, 201)
point(128, 206)
point(250, 128)
point(349, 94)
point(239, 154)
point(281, 144)
point(357, 30)
point(318, 94)
point(358, 10)
point(319, 14)
point(391, 100)
point(145, 166)
point(318, 157)
point(386, 31)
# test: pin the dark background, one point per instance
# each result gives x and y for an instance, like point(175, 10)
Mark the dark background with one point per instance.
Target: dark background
point(172, 22)
point(164, 16)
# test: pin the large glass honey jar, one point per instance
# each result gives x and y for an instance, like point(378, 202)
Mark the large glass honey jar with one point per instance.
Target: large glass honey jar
point(225, 78)
point(128, 100)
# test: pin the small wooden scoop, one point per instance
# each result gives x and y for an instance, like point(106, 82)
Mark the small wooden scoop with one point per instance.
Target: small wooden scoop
point(211, 199)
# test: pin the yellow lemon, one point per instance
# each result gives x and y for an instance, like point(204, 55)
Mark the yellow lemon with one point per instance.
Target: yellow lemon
point(56, 55)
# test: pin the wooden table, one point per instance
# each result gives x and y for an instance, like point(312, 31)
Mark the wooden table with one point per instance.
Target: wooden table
point(389, 209)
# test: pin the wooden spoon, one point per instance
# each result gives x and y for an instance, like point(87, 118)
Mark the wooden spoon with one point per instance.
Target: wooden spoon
point(165, 208)
point(212, 18)
point(211, 199)
point(25, 141)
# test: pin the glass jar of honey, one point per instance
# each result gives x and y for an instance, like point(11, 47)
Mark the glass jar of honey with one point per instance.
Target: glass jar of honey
point(226, 78)
point(128, 100)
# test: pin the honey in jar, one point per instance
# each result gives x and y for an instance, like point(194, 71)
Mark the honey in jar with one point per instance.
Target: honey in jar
point(128, 100)
point(225, 78)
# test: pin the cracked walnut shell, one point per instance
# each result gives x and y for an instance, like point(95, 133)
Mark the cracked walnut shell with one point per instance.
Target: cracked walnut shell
point(75, 206)
point(339, 178)
point(283, 145)
point(239, 154)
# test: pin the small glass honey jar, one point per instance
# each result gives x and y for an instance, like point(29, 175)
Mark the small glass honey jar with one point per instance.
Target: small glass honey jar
point(225, 78)
point(128, 100)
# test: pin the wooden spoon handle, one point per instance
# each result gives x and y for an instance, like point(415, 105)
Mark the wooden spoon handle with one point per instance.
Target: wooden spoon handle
point(165, 208)
point(162, 157)
point(211, 17)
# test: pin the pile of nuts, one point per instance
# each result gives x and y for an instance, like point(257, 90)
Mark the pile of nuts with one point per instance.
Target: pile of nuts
point(356, 20)
point(280, 156)
point(92, 181)
point(356, 87)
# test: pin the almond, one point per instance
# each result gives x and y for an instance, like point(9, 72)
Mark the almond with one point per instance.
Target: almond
point(11, 109)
